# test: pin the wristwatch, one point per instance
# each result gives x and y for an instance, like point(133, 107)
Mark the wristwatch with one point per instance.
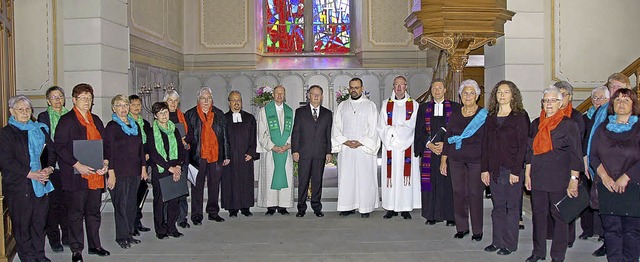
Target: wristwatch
point(575, 178)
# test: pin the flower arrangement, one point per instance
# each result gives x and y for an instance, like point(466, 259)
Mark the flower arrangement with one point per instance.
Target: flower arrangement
point(264, 95)
point(343, 94)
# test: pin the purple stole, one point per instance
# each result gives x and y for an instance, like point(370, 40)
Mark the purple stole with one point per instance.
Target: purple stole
point(425, 167)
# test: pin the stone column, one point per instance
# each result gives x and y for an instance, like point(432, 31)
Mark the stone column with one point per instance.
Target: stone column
point(95, 49)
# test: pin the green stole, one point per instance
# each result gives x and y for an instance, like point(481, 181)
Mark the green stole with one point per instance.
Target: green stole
point(279, 138)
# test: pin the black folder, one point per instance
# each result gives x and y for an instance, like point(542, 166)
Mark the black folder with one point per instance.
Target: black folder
point(89, 153)
point(570, 208)
point(626, 204)
point(173, 189)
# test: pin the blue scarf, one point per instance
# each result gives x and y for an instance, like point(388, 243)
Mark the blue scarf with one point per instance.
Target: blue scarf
point(618, 128)
point(591, 111)
point(131, 129)
point(36, 144)
point(471, 128)
point(598, 119)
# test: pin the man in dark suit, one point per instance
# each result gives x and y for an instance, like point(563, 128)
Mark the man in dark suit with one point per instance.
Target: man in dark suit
point(311, 147)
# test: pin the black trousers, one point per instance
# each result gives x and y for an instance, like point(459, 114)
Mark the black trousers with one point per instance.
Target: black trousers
point(84, 205)
point(506, 210)
point(622, 237)
point(124, 197)
point(467, 195)
point(28, 215)
point(310, 170)
point(57, 216)
point(212, 173)
point(542, 205)
point(183, 205)
point(161, 223)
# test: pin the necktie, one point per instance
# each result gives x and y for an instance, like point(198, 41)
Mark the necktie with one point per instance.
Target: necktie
point(315, 114)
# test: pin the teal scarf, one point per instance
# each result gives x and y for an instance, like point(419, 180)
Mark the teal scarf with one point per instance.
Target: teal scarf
point(131, 129)
point(54, 118)
point(598, 119)
point(618, 128)
point(279, 138)
point(591, 111)
point(36, 144)
point(470, 130)
point(140, 122)
point(159, 143)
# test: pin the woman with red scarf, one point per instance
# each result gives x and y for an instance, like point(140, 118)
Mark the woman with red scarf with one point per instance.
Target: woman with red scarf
point(83, 192)
point(554, 162)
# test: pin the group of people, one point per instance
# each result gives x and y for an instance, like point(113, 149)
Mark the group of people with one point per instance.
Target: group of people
point(437, 156)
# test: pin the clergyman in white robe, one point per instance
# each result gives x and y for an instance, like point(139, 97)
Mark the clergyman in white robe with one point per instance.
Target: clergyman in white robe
point(357, 167)
point(398, 194)
point(268, 197)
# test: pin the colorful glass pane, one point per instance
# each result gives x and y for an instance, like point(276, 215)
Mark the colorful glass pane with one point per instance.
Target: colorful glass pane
point(331, 26)
point(284, 26)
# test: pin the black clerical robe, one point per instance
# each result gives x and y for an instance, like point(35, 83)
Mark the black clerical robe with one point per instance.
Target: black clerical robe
point(237, 180)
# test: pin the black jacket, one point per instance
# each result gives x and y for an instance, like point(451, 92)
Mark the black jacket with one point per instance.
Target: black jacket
point(311, 139)
point(195, 129)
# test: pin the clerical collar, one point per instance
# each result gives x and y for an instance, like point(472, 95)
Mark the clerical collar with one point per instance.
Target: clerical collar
point(356, 97)
point(438, 108)
point(441, 101)
point(237, 117)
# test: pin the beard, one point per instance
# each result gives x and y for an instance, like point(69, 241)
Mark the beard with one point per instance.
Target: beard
point(355, 96)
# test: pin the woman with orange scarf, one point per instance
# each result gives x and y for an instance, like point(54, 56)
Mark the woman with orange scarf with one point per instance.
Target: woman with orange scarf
point(172, 98)
point(83, 193)
point(553, 164)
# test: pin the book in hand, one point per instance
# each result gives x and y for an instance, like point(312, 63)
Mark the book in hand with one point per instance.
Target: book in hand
point(438, 135)
point(570, 208)
point(173, 189)
point(625, 204)
point(88, 153)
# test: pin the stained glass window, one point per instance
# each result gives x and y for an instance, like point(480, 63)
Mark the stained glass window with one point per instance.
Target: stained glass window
point(285, 26)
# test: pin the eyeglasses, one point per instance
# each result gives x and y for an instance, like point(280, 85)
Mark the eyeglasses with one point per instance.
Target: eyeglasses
point(550, 100)
point(207, 98)
point(84, 98)
point(56, 97)
point(469, 94)
point(599, 98)
point(26, 110)
point(121, 105)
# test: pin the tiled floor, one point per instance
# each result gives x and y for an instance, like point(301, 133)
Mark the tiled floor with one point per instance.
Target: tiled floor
point(331, 238)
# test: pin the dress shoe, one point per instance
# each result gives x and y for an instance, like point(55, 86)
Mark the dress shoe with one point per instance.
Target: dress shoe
point(405, 215)
point(134, 241)
point(300, 214)
point(124, 244)
point(57, 247)
point(504, 252)
point(347, 213)
point(584, 236)
point(569, 245)
point(283, 211)
point(246, 213)
point(390, 214)
point(270, 212)
point(135, 232)
point(521, 225)
point(176, 234)
point(99, 251)
point(162, 235)
point(600, 252)
point(216, 218)
point(319, 213)
point(365, 215)
point(476, 237)
point(451, 223)
point(142, 228)
point(491, 248)
point(184, 224)
point(76, 256)
point(430, 222)
point(461, 234)
point(233, 213)
point(534, 258)
point(197, 222)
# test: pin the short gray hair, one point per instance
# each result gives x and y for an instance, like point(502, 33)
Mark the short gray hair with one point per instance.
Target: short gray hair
point(604, 89)
point(170, 93)
point(202, 91)
point(564, 85)
point(17, 98)
point(469, 82)
point(552, 89)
